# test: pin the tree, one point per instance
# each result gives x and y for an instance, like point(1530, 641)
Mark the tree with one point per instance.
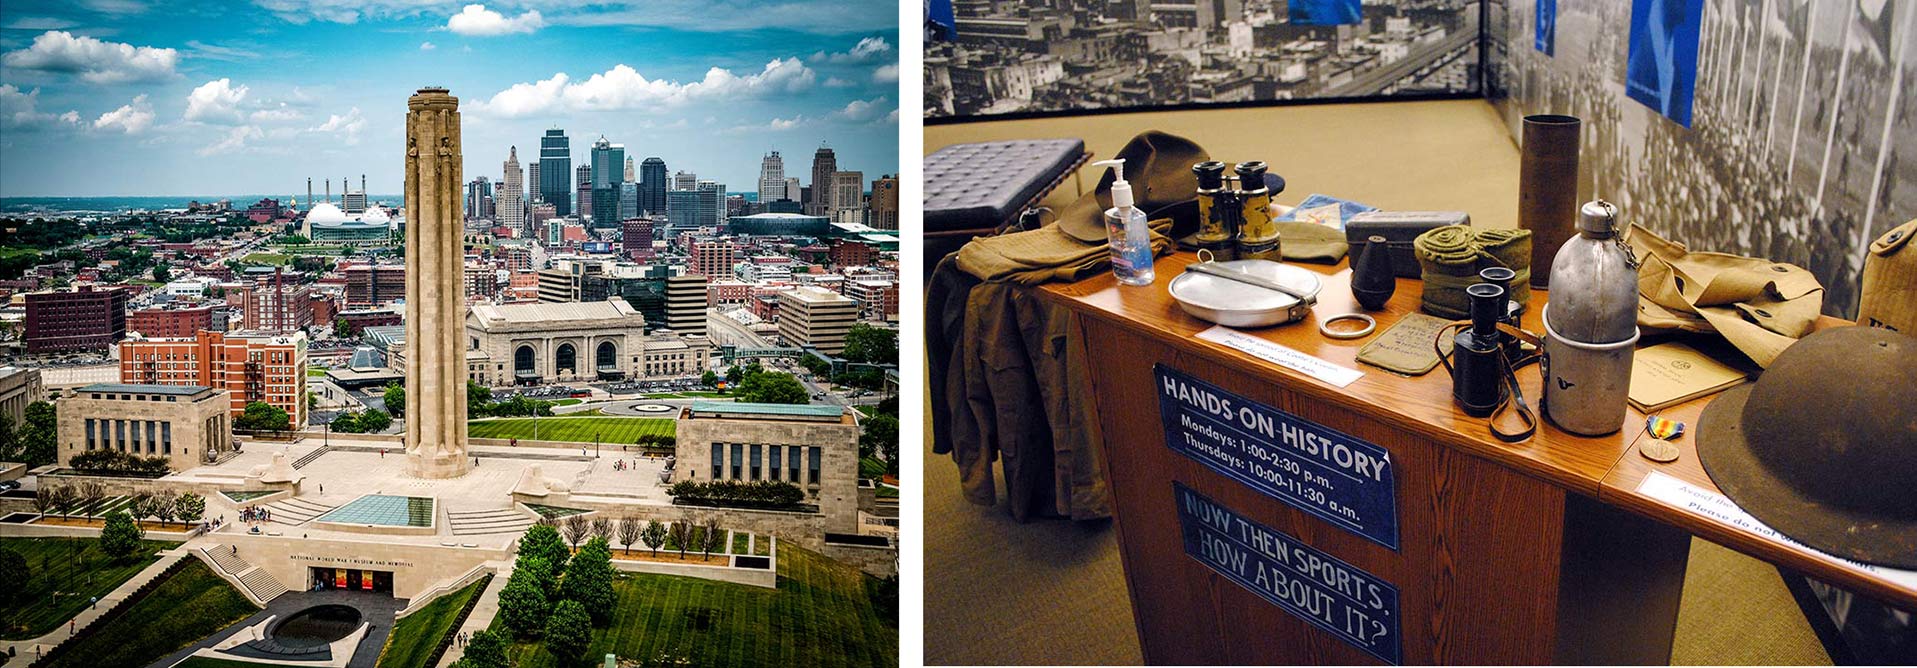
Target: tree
point(341, 328)
point(568, 633)
point(477, 395)
point(189, 507)
point(878, 431)
point(161, 273)
point(522, 603)
point(680, 533)
point(734, 375)
point(654, 536)
point(120, 538)
point(772, 387)
point(163, 509)
point(589, 581)
point(13, 569)
point(396, 400)
point(39, 435)
point(542, 541)
point(714, 538)
point(628, 532)
point(346, 423)
point(873, 345)
point(374, 420)
point(63, 500)
point(89, 494)
point(9, 441)
point(261, 416)
point(601, 528)
point(576, 529)
point(141, 506)
point(45, 500)
point(487, 649)
point(709, 379)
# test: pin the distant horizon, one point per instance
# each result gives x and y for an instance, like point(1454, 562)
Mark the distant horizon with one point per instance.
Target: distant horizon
point(256, 97)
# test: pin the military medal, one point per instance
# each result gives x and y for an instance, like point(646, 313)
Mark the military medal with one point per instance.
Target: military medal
point(1663, 429)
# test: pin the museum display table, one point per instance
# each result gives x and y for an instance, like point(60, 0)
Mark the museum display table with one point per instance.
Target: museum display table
point(1266, 516)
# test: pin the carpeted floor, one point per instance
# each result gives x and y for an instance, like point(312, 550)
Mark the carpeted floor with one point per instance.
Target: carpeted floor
point(1053, 592)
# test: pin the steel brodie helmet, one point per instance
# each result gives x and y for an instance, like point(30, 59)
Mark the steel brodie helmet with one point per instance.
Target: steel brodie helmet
point(1823, 447)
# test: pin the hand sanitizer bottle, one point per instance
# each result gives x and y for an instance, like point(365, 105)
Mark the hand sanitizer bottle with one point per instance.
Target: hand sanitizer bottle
point(1126, 232)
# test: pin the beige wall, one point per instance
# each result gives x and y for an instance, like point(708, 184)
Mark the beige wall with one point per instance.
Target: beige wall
point(198, 423)
point(837, 493)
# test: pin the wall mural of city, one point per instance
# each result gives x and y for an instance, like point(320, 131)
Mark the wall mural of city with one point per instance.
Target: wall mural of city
point(988, 58)
point(1792, 150)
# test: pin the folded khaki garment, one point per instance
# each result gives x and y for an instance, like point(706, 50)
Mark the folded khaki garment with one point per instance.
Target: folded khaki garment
point(1760, 306)
point(1043, 255)
point(1451, 257)
point(1890, 282)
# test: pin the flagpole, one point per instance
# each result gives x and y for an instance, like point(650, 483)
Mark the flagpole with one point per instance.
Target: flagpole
point(1836, 107)
point(1862, 244)
point(1757, 77)
point(1777, 88)
point(1803, 87)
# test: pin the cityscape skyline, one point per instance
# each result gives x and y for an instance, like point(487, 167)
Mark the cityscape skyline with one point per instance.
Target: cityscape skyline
point(215, 105)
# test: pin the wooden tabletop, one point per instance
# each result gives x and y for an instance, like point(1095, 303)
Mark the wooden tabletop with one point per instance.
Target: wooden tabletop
point(1604, 467)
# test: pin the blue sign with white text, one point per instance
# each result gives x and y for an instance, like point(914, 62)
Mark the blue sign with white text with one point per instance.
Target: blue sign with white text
point(1356, 606)
point(1317, 469)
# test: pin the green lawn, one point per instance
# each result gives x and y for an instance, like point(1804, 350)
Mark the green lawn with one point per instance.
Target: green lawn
point(611, 430)
point(266, 258)
point(315, 373)
point(568, 401)
point(76, 568)
point(186, 607)
point(415, 637)
point(821, 615)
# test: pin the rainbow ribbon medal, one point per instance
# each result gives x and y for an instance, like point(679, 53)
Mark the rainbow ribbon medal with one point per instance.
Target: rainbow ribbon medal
point(1663, 429)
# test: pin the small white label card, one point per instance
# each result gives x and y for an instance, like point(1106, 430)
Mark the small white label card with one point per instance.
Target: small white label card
point(1337, 376)
point(1719, 508)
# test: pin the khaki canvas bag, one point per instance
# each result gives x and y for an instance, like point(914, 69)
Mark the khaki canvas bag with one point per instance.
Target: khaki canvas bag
point(1760, 306)
point(1890, 282)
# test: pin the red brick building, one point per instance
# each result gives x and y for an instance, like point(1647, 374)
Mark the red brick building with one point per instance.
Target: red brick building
point(82, 319)
point(252, 366)
point(172, 321)
point(852, 253)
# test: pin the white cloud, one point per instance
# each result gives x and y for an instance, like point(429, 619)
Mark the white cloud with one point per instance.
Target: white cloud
point(219, 52)
point(864, 110)
point(216, 101)
point(348, 126)
point(280, 114)
point(886, 73)
point(40, 23)
point(21, 109)
point(426, 46)
point(95, 61)
point(835, 82)
point(478, 21)
point(867, 50)
point(235, 139)
point(131, 118)
point(774, 125)
point(622, 88)
point(824, 17)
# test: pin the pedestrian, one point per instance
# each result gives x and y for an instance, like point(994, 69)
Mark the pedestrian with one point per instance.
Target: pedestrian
point(322, 488)
point(236, 550)
point(94, 603)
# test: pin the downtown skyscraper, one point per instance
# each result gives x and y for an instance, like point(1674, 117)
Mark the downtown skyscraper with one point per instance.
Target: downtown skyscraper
point(824, 164)
point(608, 163)
point(555, 171)
point(652, 186)
point(772, 178)
point(510, 203)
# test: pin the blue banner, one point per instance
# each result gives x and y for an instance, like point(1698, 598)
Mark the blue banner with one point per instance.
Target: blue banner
point(1356, 606)
point(1317, 469)
point(1660, 69)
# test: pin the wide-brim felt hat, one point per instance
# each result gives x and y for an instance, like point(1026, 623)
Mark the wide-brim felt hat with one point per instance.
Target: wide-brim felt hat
point(1158, 166)
point(1823, 447)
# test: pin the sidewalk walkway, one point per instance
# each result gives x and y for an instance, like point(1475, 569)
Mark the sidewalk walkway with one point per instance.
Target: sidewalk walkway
point(25, 650)
point(483, 611)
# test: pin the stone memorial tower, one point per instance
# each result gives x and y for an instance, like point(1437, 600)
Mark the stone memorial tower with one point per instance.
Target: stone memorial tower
point(435, 311)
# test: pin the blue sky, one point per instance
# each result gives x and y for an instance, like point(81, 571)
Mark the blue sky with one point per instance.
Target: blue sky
point(126, 97)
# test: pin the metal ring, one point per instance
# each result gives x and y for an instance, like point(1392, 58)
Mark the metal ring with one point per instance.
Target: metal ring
point(1324, 327)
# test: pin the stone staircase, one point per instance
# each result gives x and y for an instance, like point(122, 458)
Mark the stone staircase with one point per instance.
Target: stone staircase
point(259, 585)
point(315, 454)
point(296, 511)
point(480, 522)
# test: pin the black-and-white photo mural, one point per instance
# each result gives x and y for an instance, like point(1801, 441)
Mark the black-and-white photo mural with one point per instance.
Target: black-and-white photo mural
point(1802, 137)
point(986, 58)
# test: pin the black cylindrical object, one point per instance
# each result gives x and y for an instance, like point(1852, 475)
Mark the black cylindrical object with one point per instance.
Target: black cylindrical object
point(1548, 188)
point(1477, 366)
point(1513, 309)
point(1372, 280)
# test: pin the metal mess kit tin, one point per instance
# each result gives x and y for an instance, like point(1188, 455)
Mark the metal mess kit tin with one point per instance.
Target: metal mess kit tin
point(1235, 304)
